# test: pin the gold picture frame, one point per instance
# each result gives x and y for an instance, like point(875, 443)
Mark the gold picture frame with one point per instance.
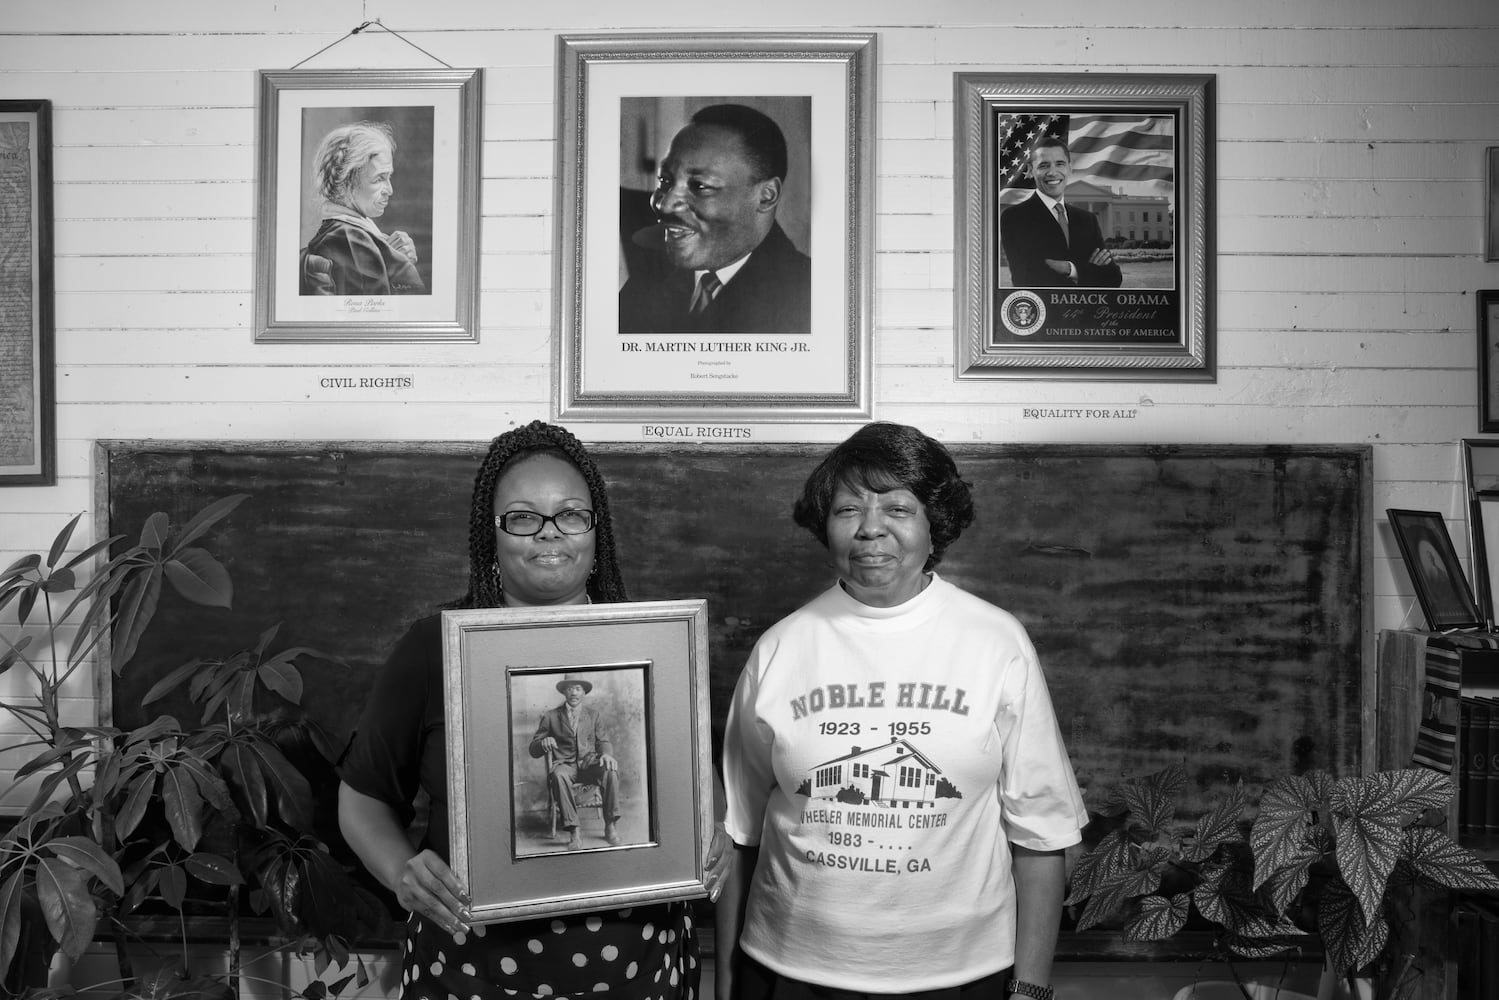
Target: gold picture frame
point(645, 667)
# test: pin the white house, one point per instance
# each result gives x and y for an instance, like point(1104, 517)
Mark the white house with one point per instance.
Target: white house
point(895, 774)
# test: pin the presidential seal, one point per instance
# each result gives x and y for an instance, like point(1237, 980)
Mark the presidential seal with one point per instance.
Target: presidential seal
point(1022, 313)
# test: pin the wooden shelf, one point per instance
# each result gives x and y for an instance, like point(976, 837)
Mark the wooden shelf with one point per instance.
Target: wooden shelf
point(1400, 700)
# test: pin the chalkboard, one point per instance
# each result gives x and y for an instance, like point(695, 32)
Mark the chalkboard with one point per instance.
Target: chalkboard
point(1205, 605)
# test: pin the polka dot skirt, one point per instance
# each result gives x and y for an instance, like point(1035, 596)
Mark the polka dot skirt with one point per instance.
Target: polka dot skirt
point(643, 953)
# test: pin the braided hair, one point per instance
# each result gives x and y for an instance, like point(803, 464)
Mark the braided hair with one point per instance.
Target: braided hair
point(605, 584)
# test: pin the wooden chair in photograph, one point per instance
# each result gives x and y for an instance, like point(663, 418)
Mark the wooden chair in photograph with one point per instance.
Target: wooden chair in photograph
point(585, 796)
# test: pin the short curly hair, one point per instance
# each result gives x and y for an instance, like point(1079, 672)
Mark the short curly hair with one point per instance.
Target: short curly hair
point(605, 584)
point(885, 456)
point(343, 152)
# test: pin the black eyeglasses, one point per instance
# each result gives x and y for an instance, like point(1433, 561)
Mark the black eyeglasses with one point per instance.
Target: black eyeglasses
point(572, 521)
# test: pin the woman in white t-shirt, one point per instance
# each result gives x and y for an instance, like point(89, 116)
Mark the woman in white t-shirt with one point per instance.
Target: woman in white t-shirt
point(896, 777)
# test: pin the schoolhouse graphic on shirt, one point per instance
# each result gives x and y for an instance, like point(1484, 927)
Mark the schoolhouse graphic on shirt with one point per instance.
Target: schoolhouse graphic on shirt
point(895, 775)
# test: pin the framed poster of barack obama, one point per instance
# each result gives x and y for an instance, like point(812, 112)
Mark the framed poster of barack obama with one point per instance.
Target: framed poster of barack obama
point(367, 209)
point(715, 218)
point(1084, 248)
point(578, 756)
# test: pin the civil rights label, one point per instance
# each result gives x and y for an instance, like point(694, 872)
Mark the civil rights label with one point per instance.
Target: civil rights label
point(356, 382)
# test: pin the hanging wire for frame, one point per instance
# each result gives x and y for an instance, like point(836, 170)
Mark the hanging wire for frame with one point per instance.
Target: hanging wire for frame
point(371, 24)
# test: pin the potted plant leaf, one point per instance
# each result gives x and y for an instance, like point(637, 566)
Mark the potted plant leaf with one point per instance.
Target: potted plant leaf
point(1328, 856)
point(120, 821)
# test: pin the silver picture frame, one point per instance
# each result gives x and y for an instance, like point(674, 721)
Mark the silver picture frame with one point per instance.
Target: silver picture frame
point(645, 668)
point(1139, 144)
point(820, 89)
point(1481, 483)
point(435, 118)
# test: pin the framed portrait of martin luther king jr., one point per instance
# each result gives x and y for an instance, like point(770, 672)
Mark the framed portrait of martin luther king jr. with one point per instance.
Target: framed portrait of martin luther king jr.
point(714, 242)
point(1084, 243)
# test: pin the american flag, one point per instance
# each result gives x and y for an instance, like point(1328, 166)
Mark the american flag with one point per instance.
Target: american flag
point(1134, 152)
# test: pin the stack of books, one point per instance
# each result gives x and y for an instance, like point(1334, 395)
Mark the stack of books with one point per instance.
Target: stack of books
point(1478, 770)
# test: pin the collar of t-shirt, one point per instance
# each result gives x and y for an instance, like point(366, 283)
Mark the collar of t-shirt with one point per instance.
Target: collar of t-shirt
point(725, 273)
point(905, 615)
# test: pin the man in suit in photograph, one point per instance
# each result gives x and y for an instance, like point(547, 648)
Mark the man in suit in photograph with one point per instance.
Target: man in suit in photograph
point(576, 743)
point(1049, 243)
point(727, 266)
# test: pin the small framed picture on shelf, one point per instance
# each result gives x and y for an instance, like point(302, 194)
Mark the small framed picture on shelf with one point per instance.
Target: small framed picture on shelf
point(1481, 477)
point(1431, 561)
point(1483, 531)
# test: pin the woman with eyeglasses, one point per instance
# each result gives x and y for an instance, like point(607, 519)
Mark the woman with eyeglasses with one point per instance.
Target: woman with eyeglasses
point(540, 534)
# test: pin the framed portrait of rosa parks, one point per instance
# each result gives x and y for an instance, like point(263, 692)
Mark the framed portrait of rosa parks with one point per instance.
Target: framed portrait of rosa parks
point(579, 763)
point(1084, 206)
point(367, 205)
point(715, 221)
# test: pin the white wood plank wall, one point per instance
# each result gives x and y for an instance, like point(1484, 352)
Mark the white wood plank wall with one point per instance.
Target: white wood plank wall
point(1349, 226)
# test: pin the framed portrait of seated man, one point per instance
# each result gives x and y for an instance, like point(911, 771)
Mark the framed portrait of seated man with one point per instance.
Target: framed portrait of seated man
point(578, 755)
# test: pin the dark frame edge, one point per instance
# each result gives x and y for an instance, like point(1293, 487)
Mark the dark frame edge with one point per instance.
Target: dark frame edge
point(1412, 568)
point(45, 333)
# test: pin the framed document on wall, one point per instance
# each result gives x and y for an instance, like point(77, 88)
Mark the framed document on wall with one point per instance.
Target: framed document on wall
point(28, 405)
point(1491, 203)
point(1488, 360)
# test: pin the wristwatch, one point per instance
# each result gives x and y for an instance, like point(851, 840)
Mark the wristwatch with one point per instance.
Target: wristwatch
point(1026, 989)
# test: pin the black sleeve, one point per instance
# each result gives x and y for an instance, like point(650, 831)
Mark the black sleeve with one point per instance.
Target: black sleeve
point(385, 754)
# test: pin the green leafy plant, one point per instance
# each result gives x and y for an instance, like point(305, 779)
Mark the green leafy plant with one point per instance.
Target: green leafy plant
point(1324, 855)
point(171, 810)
